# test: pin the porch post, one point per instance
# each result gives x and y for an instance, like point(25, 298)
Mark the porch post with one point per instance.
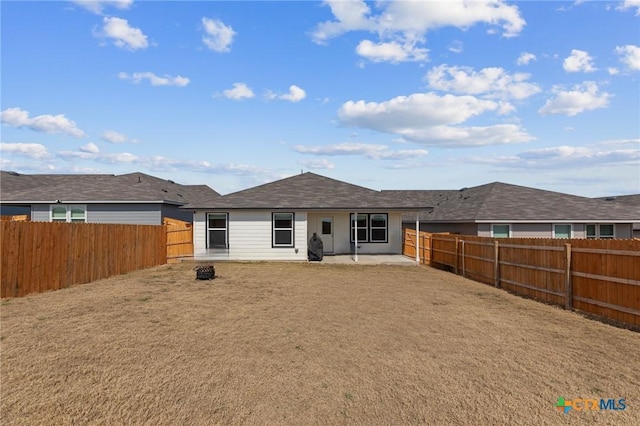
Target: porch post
point(355, 237)
point(418, 237)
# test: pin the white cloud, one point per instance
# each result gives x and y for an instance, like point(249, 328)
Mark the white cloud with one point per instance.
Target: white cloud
point(630, 56)
point(317, 164)
point(583, 97)
point(296, 94)
point(456, 47)
point(219, 36)
point(630, 4)
point(90, 147)
point(393, 52)
point(375, 152)
point(613, 71)
point(525, 58)
point(112, 136)
point(155, 80)
point(579, 60)
point(240, 91)
point(42, 123)
point(123, 35)
point(98, 6)
point(401, 25)
point(35, 151)
point(430, 119)
point(491, 82)
point(89, 153)
point(608, 153)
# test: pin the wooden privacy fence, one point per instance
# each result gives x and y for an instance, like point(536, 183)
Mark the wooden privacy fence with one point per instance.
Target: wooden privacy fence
point(179, 239)
point(41, 256)
point(15, 218)
point(600, 277)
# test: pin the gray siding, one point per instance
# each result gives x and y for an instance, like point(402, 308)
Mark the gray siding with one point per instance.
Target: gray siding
point(40, 213)
point(175, 212)
point(14, 210)
point(453, 228)
point(134, 214)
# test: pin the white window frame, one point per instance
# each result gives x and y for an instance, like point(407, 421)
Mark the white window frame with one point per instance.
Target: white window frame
point(274, 229)
point(562, 224)
point(225, 229)
point(598, 234)
point(508, 225)
point(68, 208)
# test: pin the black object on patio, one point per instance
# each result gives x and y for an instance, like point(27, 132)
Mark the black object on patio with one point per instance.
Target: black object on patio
point(316, 248)
point(205, 272)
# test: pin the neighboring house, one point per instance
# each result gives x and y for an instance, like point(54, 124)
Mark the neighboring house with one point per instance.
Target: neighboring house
point(632, 202)
point(504, 210)
point(275, 221)
point(134, 198)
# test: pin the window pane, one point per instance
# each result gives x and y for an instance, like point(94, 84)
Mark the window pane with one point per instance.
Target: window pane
point(283, 237)
point(378, 235)
point(59, 214)
point(378, 221)
point(606, 231)
point(218, 238)
point(563, 231)
point(326, 227)
point(218, 220)
point(501, 231)
point(283, 220)
point(77, 213)
point(591, 231)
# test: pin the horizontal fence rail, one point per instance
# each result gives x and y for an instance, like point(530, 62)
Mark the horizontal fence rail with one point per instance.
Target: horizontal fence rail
point(42, 256)
point(599, 277)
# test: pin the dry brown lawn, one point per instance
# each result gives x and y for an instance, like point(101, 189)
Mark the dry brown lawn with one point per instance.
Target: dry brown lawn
point(284, 343)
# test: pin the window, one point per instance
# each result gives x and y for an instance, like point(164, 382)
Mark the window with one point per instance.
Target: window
point(501, 231)
point(217, 230)
point(378, 224)
point(68, 213)
point(561, 231)
point(58, 213)
point(372, 228)
point(282, 229)
point(602, 231)
point(363, 228)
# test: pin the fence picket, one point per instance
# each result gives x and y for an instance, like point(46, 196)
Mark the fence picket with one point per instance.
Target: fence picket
point(600, 277)
point(42, 256)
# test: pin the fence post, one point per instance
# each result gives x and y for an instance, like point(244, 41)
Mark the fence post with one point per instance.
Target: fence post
point(456, 261)
point(496, 264)
point(567, 278)
point(464, 270)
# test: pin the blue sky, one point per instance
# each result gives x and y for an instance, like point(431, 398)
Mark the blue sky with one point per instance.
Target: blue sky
point(388, 95)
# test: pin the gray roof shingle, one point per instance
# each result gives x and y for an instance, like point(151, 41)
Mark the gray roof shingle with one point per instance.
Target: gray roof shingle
point(131, 187)
point(504, 202)
point(309, 191)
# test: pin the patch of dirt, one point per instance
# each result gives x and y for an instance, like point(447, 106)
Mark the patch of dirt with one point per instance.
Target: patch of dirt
point(287, 343)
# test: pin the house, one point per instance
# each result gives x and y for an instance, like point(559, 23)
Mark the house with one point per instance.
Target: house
point(503, 210)
point(133, 198)
point(633, 204)
point(275, 221)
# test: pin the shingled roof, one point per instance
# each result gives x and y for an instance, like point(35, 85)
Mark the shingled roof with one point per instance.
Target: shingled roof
point(501, 202)
point(309, 191)
point(85, 188)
